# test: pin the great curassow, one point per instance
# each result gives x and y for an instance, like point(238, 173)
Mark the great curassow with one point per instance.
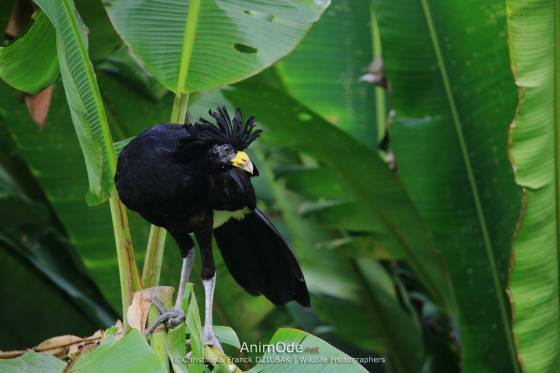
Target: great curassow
point(196, 178)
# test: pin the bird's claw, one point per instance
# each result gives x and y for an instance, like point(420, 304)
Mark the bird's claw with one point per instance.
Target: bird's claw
point(171, 318)
point(177, 318)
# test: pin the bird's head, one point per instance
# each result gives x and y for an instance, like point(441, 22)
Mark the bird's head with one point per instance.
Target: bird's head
point(225, 156)
point(220, 146)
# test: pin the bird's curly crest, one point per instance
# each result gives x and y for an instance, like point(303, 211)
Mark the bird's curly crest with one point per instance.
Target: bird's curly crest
point(237, 133)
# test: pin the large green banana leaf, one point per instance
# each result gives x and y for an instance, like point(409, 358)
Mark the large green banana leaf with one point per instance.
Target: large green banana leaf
point(30, 63)
point(129, 354)
point(324, 70)
point(83, 96)
point(453, 100)
point(197, 45)
point(364, 175)
point(33, 361)
point(535, 54)
point(19, 65)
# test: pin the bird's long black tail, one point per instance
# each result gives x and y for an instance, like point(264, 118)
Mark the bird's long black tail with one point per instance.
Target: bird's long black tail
point(260, 260)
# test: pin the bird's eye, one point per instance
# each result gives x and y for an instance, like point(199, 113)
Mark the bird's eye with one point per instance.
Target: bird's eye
point(221, 153)
point(226, 150)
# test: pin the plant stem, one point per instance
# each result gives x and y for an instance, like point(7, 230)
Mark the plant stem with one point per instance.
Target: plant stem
point(179, 110)
point(128, 270)
point(154, 257)
point(379, 92)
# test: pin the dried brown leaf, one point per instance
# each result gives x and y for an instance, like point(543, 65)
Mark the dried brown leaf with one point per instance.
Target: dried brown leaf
point(137, 313)
point(58, 346)
point(65, 345)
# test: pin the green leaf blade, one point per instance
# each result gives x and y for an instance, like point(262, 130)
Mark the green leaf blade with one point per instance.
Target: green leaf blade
point(84, 99)
point(30, 63)
point(129, 354)
point(227, 335)
point(176, 348)
point(33, 362)
point(324, 70)
point(450, 140)
point(197, 45)
point(534, 31)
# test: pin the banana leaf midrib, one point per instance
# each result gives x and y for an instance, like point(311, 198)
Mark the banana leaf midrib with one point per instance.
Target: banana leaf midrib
point(188, 44)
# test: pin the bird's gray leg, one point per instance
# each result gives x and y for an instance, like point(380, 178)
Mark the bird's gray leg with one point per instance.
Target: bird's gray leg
point(209, 337)
point(186, 268)
point(175, 316)
point(208, 273)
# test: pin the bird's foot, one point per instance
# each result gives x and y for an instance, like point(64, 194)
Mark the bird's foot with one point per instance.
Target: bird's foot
point(170, 317)
point(211, 340)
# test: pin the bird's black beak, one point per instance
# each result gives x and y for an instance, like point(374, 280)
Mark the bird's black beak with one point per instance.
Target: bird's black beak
point(242, 161)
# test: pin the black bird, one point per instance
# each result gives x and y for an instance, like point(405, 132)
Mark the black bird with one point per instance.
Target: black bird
point(196, 178)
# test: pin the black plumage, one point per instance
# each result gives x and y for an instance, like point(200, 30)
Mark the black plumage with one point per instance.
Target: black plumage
point(259, 259)
point(177, 176)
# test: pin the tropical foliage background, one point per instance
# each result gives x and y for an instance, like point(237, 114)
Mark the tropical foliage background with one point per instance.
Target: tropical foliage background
point(410, 156)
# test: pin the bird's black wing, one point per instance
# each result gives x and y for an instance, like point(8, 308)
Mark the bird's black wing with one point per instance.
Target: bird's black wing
point(152, 182)
point(260, 260)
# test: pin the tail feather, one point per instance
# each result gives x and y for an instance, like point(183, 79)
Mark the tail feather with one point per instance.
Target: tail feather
point(260, 260)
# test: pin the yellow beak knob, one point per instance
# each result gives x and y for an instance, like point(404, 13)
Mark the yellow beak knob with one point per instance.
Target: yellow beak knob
point(242, 161)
